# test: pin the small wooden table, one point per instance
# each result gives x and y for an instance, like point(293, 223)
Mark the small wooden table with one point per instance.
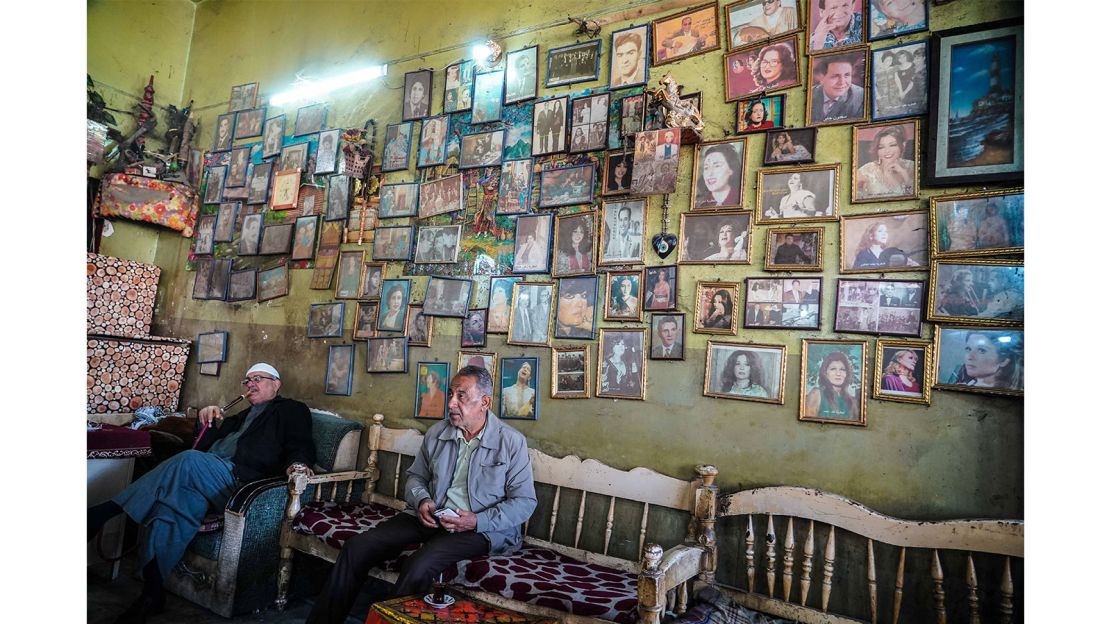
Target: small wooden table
point(413, 610)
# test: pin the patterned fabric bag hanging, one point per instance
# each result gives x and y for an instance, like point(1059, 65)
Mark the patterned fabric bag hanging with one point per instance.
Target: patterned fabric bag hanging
point(358, 150)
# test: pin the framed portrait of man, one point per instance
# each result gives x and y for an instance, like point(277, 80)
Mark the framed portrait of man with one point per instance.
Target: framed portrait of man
point(836, 90)
point(752, 21)
point(341, 368)
point(793, 249)
point(980, 359)
point(628, 53)
point(549, 126)
point(214, 189)
point(242, 97)
point(685, 34)
point(668, 336)
point(225, 126)
point(575, 317)
point(447, 296)
point(310, 119)
point(747, 372)
point(633, 114)
point(237, 167)
point(577, 62)
point(458, 86)
point(834, 24)
point(530, 323)
point(339, 198)
point(520, 74)
point(622, 363)
point(417, 102)
point(883, 307)
point(225, 222)
point(419, 326)
point(250, 235)
point(272, 136)
point(327, 152)
point(570, 372)
point(294, 156)
point(623, 232)
point(519, 382)
point(903, 371)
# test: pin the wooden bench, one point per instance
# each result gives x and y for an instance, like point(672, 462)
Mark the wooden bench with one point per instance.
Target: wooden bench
point(825, 558)
point(583, 504)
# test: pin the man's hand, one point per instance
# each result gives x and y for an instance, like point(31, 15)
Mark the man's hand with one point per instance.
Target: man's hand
point(295, 465)
point(466, 521)
point(424, 512)
point(209, 414)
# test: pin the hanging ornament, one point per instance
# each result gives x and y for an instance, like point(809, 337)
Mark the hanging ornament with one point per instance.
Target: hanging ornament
point(664, 242)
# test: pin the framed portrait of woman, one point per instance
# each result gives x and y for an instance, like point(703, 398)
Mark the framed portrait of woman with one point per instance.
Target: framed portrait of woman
point(532, 245)
point(761, 68)
point(393, 313)
point(718, 174)
point(790, 146)
point(519, 399)
point(488, 89)
point(574, 312)
point(883, 307)
point(387, 355)
point(980, 292)
point(310, 119)
point(715, 237)
point(618, 173)
point(760, 114)
point(500, 303)
point(431, 390)
point(623, 291)
point(419, 326)
point(833, 386)
point(205, 240)
point(900, 81)
point(797, 194)
point(903, 371)
point(214, 188)
point(885, 161)
point(716, 308)
point(474, 328)
point(350, 274)
point(793, 249)
point(746, 372)
point(884, 242)
point(783, 303)
point(341, 368)
point(979, 359)
point(622, 363)
point(989, 223)
point(570, 372)
point(575, 252)
point(661, 288)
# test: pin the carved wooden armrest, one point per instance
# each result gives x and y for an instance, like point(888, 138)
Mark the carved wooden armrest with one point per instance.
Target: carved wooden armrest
point(661, 572)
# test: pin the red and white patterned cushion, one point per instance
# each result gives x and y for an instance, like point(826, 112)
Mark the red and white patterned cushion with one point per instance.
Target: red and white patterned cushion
point(534, 575)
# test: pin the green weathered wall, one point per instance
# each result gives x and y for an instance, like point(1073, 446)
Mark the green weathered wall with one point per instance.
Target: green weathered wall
point(962, 456)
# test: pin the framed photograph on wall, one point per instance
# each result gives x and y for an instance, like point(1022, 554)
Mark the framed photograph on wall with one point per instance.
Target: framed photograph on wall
point(304, 238)
point(618, 173)
point(884, 241)
point(273, 283)
point(350, 274)
point(718, 174)
point(887, 18)
point(549, 125)
point(762, 68)
point(273, 133)
point(668, 336)
point(628, 54)
point(790, 146)
point(575, 253)
point(212, 347)
point(976, 124)
point(432, 379)
point(530, 323)
point(793, 249)
point(458, 86)
point(488, 89)
point(577, 62)
point(398, 147)
point(622, 296)
point(325, 320)
point(276, 239)
point(900, 81)
point(205, 237)
point(798, 194)
point(515, 193)
point(286, 185)
point(500, 303)
point(661, 287)
point(481, 359)
point(622, 363)
point(721, 237)
point(214, 189)
point(716, 307)
point(783, 303)
point(520, 74)
point(237, 167)
point(903, 371)
point(372, 275)
point(532, 245)
point(834, 377)
point(474, 328)
point(341, 368)
point(433, 142)
point(567, 186)
point(655, 162)
point(327, 152)
point(437, 244)
point(623, 232)
point(248, 124)
point(575, 317)
point(834, 24)
point(837, 92)
point(294, 156)
point(685, 34)
point(752, 21)
point(760, 114)
point(393, 312)
point(884, 161)
point(387, 355)
point(481, 149)
point(570, 372)
point(259, 184)
point(447, 296)
point(366, 318)
point(417, 99)
point(890, 307)
point(242, 97)
point(988, 223)
point(633, 113)
point(225, 125)
point(589, 123)
point(978, 292)
point(978, 359)
point(747, 372)
point(519, 382)
point(393, 242)
point(398, 200)
point(440, 196)
point(419, 327)
point(250, 235)
point(310, 119)
point(241, 285)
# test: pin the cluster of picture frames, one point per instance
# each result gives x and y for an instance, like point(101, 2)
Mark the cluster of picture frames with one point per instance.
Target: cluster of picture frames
point(965, 288)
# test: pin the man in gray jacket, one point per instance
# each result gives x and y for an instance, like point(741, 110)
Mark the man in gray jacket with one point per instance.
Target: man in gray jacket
point(472, 464)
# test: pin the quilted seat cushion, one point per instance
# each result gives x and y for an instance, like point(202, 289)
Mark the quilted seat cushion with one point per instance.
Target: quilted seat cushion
point(534, 575)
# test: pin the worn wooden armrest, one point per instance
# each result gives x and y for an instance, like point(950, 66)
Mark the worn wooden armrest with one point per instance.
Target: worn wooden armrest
point(662, 572)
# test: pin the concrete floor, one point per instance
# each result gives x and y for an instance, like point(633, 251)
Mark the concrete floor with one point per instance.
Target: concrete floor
point(107, 599)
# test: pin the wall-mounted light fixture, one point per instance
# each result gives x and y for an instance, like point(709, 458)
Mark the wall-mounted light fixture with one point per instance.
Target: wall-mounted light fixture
point(486, 54)
point(314, 89)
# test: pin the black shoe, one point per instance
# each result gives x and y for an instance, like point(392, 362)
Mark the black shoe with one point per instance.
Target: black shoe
point(141, 609)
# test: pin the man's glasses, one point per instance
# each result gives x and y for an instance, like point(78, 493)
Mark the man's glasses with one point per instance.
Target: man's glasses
point(257, 379)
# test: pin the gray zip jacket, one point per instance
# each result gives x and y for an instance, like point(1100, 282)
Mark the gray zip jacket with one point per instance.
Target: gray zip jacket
point(502, 493)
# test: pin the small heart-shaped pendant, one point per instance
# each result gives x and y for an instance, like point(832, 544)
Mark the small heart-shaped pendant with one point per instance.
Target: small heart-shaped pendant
point(664, 244)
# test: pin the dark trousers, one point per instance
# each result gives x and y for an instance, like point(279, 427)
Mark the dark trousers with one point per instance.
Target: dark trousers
point(386, 541)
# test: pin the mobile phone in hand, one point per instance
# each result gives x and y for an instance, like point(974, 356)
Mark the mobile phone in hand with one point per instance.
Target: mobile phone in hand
point(445, 512)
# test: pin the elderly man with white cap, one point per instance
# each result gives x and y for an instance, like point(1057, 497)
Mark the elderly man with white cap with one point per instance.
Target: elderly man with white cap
point(273, 435)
